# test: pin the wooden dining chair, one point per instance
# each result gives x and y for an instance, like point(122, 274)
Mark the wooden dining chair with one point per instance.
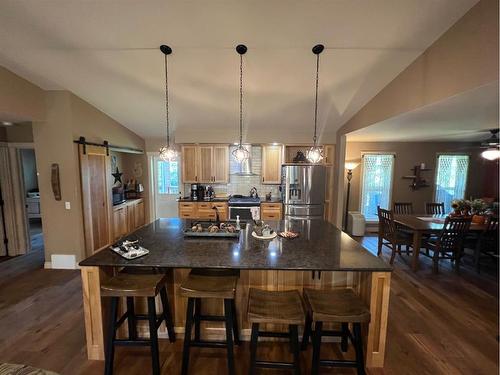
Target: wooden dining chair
point(389, 235)
point(448, 244)
point(434, 208)
point(487, 242)
point(403, 208)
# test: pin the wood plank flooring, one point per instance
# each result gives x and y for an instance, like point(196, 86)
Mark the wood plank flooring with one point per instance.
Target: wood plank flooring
point(438, 324)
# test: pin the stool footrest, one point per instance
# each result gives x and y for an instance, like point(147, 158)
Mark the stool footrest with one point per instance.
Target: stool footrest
point(211, 318)
point(337, 363)
point(274, 334)
point(208, 344)
point(278, 365)
point(124, 342)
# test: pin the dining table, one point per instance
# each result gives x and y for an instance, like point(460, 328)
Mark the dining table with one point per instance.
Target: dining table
point(425, 224)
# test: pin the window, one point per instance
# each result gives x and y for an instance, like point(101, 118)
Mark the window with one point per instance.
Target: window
point(376, 184)
point(451, 178)
point(168, 177)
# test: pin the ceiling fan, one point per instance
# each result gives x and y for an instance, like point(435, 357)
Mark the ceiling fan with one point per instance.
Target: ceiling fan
point(491, 145)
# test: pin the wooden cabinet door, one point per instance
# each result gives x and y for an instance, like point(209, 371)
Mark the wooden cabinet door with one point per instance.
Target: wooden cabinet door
point(189, 164)
point(119, 223)
point(271, 164)
point(221, 165)
point(139, 214)
point(130, 218)
point(205, 164)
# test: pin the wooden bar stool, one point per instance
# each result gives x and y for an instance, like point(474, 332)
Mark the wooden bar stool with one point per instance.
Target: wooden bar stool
point(275, 307)
point(219, 284)
point(130, 286)
point(335, 306)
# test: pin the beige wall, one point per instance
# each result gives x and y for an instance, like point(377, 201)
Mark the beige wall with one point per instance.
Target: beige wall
point(20, 100)
point(69, 117)
point(463, 58)
point(19, 133)
point(409, 154)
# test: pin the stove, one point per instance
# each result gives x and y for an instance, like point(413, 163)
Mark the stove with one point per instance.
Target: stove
point(245, 201)
point(247, 208)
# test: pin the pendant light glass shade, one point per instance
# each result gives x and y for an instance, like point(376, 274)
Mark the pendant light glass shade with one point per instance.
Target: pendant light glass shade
point(491, 154)
point(240, 153)
point(315, 153)
point(167, 152)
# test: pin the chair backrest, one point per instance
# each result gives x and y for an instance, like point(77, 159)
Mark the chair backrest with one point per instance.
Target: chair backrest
point(433, 208)
point(403, 208)
point(386, 225)
point(453, 232)
point(490, 233)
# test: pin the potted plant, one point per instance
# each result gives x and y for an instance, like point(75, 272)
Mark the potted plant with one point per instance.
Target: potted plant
point(458, 206)
point(479, 208)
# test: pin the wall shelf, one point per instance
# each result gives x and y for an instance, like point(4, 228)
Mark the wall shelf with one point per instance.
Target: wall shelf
point(417, 180)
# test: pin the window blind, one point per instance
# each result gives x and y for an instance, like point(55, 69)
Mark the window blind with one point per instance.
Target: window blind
point(451, 178)
point(377, 183)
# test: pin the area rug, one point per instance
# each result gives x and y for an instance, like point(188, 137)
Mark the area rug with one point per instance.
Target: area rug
point(12, 369)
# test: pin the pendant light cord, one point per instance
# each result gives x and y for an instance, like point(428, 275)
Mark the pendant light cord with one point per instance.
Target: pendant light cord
point(241, 99)
point(316, 101)
point(166, 100)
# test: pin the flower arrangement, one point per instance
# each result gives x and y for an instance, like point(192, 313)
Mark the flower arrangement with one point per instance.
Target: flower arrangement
point(460, 206)
point(479, 207)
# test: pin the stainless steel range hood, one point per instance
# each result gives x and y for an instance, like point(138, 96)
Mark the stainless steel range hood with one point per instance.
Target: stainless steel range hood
point(244, 168)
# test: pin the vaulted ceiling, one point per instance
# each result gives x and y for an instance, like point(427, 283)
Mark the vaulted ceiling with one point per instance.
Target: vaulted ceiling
point(107, 53)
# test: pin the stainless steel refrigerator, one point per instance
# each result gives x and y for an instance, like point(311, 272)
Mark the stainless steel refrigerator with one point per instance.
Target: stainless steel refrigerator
point(303, 191)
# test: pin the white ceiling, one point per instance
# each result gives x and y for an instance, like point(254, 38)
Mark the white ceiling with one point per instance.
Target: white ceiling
point(107, 53)
point(461, 118)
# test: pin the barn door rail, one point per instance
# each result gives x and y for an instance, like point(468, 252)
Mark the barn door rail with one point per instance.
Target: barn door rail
point(82, 141)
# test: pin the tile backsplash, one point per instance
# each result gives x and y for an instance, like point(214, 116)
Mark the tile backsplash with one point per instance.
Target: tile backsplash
point(243, 184)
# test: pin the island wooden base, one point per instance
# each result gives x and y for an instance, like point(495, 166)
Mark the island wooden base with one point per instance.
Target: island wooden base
point(373, 287)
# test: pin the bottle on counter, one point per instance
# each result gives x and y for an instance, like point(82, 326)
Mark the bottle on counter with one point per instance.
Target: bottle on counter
point(238, 227)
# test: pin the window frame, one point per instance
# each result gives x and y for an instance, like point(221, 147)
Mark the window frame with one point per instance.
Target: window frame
point(156, 176)
point(362, 173)
point(468, 154)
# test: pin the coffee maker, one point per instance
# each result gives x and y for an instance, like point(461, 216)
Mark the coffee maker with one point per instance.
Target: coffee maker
point(197, 192)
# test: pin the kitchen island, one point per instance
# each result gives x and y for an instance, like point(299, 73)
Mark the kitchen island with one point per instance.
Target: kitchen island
point(321, 257)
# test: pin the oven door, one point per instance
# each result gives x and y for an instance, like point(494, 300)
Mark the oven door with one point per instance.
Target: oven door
point(245, 213)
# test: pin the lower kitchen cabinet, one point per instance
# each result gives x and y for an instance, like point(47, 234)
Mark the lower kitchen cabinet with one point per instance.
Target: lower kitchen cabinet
point(271, 211)
point(127, 217)
point(203, 210)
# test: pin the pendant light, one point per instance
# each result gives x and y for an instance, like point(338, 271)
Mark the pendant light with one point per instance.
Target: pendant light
point(167, 152)
point(241, 153)
point(315, 153)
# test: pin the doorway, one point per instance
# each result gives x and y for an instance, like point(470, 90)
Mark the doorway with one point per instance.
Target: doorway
point(166, 186)
point(27, 161)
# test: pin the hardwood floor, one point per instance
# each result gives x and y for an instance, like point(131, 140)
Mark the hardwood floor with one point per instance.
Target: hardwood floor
point(438, 324)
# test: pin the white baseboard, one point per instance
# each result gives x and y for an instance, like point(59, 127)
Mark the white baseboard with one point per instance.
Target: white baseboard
point(47, 265)
point(62, 261)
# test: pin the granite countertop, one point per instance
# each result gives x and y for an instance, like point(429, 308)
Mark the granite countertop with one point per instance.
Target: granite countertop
point(320, 246)
point(188, 199)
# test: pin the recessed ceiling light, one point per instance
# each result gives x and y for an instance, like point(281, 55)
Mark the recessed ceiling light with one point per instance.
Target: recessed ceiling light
point(7, 123)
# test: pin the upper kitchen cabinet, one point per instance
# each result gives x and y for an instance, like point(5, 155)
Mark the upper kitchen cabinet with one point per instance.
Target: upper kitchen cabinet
point(272, 157)
point(189, 164)
point(221, 164)
point(205, 164)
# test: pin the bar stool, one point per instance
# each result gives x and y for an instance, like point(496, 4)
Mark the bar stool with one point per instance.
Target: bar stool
point(335, 306)
point(275, 307)
point(130, 286)
point(207, 283)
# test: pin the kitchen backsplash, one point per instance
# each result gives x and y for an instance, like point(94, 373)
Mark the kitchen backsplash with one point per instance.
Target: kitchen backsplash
point(243, 184)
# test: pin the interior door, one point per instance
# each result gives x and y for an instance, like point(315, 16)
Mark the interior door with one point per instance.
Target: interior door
point(166, 187)
point(95, 168)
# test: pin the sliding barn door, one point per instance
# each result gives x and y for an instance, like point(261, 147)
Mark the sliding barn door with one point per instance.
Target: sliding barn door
point(95, 169)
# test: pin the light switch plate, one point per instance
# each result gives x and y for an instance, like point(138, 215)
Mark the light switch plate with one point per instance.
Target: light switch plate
point(67, 205)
